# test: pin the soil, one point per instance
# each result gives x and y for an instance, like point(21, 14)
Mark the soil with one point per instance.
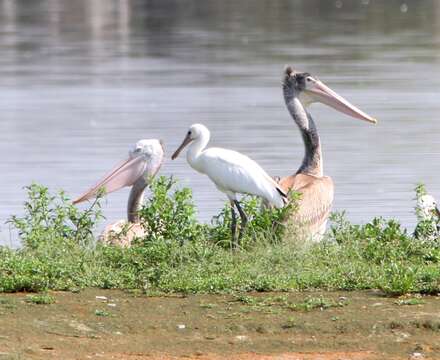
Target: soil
point(108, 324)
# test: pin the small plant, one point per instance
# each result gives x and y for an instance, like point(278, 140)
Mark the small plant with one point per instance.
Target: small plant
point(170, 214)
point(207, 305)
point(411, 301)
point(264, 223)
point(40, 299)
point(290, 323)
point(99, 312)
point(52, 218)
point(316, 303)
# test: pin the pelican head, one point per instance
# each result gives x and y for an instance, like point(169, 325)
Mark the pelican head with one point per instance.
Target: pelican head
point(196, 131)
point(143, 162)
point(152, 151)
point(427, 207)
point(309, 89)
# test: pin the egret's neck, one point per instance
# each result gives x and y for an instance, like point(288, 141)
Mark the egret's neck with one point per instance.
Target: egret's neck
point(312, 162)
point(135, 200)
point(195, 150)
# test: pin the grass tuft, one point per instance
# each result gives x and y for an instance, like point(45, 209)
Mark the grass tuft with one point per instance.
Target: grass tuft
point(99, 312)
point(40, 299)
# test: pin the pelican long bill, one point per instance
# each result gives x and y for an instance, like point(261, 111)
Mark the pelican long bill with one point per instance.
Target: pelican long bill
point(124, 174)
point(320, 92)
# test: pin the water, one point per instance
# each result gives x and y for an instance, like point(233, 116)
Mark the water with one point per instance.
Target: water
point(81, 81)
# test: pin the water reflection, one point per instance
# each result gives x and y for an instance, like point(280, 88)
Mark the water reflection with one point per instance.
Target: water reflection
point(81, 81)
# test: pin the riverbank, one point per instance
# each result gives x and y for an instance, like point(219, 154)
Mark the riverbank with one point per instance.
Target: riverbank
point(112, 324)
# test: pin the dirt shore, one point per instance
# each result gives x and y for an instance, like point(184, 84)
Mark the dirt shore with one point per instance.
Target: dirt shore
point(107, 324)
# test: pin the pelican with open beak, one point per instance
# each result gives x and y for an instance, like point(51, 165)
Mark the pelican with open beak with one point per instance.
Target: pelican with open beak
point(300, 89)
point(143, 162)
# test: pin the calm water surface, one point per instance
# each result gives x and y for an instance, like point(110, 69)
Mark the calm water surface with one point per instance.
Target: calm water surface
point(81, 81)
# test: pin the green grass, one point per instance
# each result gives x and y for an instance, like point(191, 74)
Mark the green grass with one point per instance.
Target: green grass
point(181, 255)
point(99, 312)
point(40, 299)
point(412, 301)
point(260, 302)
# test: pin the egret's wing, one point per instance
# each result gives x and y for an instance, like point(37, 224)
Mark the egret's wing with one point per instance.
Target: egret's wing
point(235, 172)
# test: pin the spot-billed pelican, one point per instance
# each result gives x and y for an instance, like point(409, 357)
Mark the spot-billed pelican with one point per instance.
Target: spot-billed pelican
point(428, 218)
point(143, 163)
point(231, 172)
point(300, 90)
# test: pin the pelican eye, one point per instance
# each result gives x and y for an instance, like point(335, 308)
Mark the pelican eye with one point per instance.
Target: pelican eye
point(309, 79)
point(189, 132)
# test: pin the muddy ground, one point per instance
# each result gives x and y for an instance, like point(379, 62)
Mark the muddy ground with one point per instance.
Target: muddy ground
point(104, 324)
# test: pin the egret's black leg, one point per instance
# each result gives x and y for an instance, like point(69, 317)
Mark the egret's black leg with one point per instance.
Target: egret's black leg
point(244, 219)
point(233, 227)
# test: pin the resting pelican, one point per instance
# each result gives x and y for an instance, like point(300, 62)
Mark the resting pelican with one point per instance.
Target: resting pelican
point(300, 90)
point(137, 171)
point(231, 172)
point(428, 218)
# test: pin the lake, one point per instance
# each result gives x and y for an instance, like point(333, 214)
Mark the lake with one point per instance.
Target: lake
point(81, 81)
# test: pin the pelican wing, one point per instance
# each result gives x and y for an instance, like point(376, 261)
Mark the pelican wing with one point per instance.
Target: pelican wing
point(234, 172)
point(316, 199)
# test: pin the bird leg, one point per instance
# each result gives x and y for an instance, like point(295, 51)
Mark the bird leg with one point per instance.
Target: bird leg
point(244, 219)
point(233, 227)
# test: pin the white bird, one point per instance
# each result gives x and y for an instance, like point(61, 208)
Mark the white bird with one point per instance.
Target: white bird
point(428, 218)
point(427, 208)
point(232, 173)
point(137, 171)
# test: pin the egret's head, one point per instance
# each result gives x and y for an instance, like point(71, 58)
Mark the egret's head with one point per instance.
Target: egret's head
point(194, 132)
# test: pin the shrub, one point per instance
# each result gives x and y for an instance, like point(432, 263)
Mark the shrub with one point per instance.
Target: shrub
point(52, 218)
point(170, 214)
point(264, 223)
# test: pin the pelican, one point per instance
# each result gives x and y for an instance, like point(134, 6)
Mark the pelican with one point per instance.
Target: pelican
point(143, 162)
point(428, 218)
point(300, 90)
point(232, 173)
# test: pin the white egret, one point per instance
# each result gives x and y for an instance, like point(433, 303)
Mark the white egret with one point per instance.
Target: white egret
point(232, 173)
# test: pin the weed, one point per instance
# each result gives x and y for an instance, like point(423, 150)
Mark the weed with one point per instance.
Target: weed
point(289, 324)
point(396, 325)
point(207, 306)
point(99, 312)
point(40, 299)
point(427, 324)
point(265, 224)
point(412, 301)
point(315, 303)
point(51, 219)
point(170, 214)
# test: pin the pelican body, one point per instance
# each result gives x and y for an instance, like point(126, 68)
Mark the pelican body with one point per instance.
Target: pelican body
point(232, 173)
point(143, 162)
point(300, 89)
point(428, 218)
